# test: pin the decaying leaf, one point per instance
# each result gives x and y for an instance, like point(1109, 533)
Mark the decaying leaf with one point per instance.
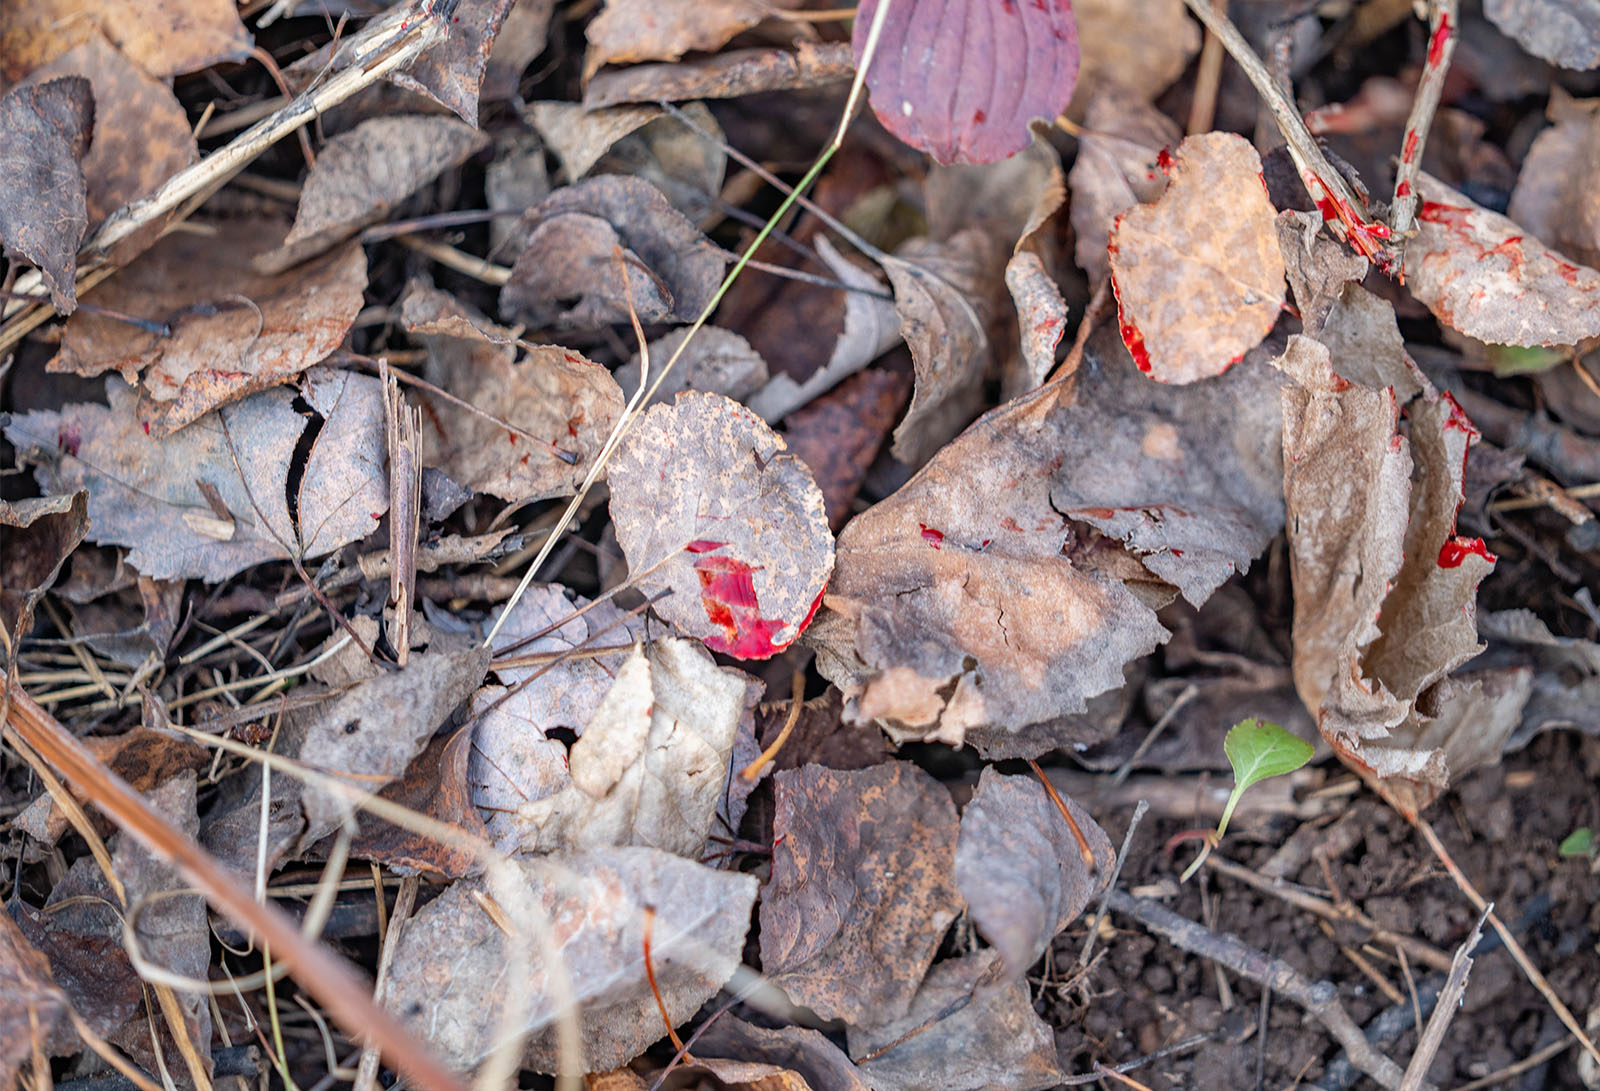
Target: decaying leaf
point(1198, 274)
point(1141, 44)
point(361, 174)
point(995, 1040)
point(1479, 273)
point(596, 904)
point(628, 31)
point(728, 74)
point(45, 131)
point(39, 535)
point(144, 757)
point(167, 38)
point(30, 1002)
point(1553, 198)
point(716, 360)
point(452, 73)
point(233, 331)
point(840, 434)
point(142, 135)
point(145, 492)
point(799, 1049)
point(1016, 62)
point(1564, 32)
point(650, 765)
point(862, 888)
point(708, 504)
point(570, 256)
point(1020, 869)
point(1118, 167)
point(552, 394)
point(434, 784)
point(1016, 574)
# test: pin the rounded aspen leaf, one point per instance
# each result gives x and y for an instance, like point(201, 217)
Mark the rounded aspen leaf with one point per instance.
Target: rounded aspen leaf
point(1198, 274)
point(709, 504)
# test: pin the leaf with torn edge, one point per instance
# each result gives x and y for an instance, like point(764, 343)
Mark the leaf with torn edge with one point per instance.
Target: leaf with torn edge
point(44, 134)
point(709, 504)
point(1198, 274)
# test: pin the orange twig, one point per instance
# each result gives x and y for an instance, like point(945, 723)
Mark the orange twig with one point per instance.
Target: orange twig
point(650, 972)
point(1072, 823)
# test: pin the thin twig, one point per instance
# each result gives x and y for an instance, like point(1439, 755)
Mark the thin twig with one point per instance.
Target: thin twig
point(1116, 871)
point(1443, 1011)
point(1443, 23)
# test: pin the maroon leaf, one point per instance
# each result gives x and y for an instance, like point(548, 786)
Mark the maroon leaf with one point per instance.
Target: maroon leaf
point(961, 79)
point(44, 133)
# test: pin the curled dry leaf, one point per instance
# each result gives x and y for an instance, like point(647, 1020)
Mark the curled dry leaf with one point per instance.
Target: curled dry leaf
point(1144, 45)
point(30, 1002)
point(1479, 273)
point(708, 504)
point(595, 905)
point(361, 174)
point(1117, 168)
point(1554, 198)
point(142, 135)
point(862, 888)
point(995, 1039)
point(1198, 275)
point(1564, 32)
point(167, 38)
point(729, 74)
point(570, 254)
point(234, 331)
point(1016, 574)
point(962, 79)
point(628, 31)
point(551, 393)
point(651, 763)
point(40, 533)
point(45, 131)
point(799, 1049)
point(145, 491)
point(1385, 591)
point(1020, 868)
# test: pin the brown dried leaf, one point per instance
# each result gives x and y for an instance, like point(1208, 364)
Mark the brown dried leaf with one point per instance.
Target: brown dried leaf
point(142, 136)
point(234, 331)
point(453, 72)
point(1015, 575)
point(627, 31)
point(802, 1050)
point(363, 173)
point(551, 392)
point(995, 1040)
point(434, 784)
point(571, 254)
point(727, 75)
point(164, 37)
point(707, 503)
point(142, 756)
point(651, 764)
point(1117, 168)
point(522, 37)
point(580, 137)
point(1198, 275)
point(862, 888)
point(144, 491)
point(1564, 32)
point(1020, 869)
point(840, 434)
point(1318, 267)
point(1479, 273)
point(596, 902)
point(717, 360)
point(30, 1002)
point(1142, 44)
point(39, 533)
point(44, 132)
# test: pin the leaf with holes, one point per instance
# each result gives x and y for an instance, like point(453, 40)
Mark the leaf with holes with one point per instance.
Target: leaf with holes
point(709, 505)
point(961, 79)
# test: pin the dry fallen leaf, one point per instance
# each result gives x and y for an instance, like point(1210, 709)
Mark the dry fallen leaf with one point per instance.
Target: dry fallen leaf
point(1117, 168)
point(799, 1049)
point(142, 135)
point(1479, 273)
point(1564, 32)
point(551, 394)
point(862, 888)
point(165, 38)
point(595, 904)
point(234, 331)
point(1554, 199)
point(708, 504)
point(650, 765)
point(44, 132)
point(145, 492)
point(1016, 574)
point(570, 254)
point(434, 784)
point(144, 757)
point(1198, 274)
point(840, 434)
point(1020, 869)
point(627, 31)
point(1016, 62)
point(1143, 45)
point(716, 360)
point(452, 73)
point(40, 534)
point(728, 74)
point(30, 1002)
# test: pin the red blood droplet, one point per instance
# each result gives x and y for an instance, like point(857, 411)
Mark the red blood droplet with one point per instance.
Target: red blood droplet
point(932, 537)
point(1403, 189)
point(728, 593)
point(1136, 346)
point(703, 545)
point(1437, 43)
point(1164, 160)
point(1410, 151)
point(1455, 550)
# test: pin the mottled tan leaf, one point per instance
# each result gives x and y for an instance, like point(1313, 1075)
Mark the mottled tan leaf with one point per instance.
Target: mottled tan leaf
point(597, 902)
point(627, 31)
point(1020, 869)
point(862, 887)
point(164, 37)
point(143, 489)
point(234, 331)
point(44, 132)
point(453, 72)
point(1479, 273)
point(1198, 274)
point(1117, 168)
point(551, 393)
point(728, 74)
point(707, 502)
point(1142, 44)
point(716, 360)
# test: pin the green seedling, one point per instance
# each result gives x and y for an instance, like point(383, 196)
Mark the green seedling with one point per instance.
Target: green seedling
point(1257, 750)
point(1580, 842)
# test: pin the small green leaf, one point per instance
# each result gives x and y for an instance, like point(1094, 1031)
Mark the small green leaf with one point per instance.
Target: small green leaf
point(1580, 842)
point(1257, 750)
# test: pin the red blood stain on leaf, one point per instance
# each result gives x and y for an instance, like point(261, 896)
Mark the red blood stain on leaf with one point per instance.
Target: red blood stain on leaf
point(704, 545)
point(961, 79)
point(1164, 160)
point(931, 536)
point(1455, 550)
point(728, 592)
